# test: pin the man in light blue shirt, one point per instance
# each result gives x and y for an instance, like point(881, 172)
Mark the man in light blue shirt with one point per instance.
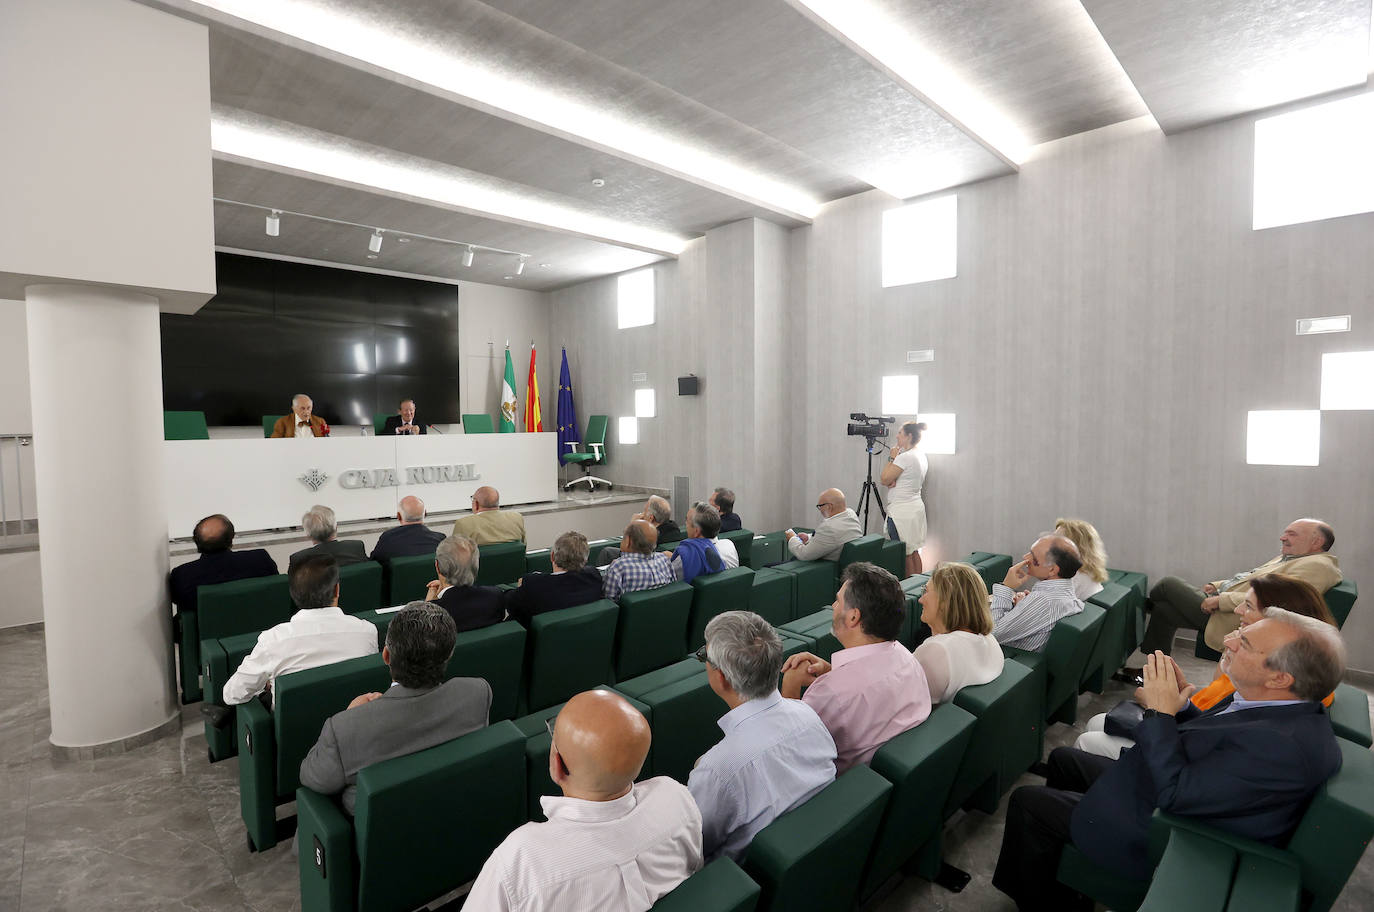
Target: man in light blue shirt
point(776, 753)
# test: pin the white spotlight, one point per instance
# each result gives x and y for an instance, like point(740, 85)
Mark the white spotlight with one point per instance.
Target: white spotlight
point(274, 223)
point(374, 243)
point(467, 256)
point(520, 266)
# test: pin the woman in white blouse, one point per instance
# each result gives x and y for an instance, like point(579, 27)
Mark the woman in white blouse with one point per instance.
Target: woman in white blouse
point(1088, 581)
point(904, 473)
point(963, 651)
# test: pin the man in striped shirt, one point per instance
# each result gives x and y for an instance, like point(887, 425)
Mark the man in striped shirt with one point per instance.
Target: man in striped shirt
point(1025, 622)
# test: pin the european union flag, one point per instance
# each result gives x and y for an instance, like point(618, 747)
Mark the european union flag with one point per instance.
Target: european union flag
point(567, 413)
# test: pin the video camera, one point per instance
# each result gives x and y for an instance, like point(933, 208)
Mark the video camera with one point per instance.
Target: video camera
point(868, 427)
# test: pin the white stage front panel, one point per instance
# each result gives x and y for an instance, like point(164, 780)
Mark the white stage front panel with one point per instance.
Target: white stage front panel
point(268, 484)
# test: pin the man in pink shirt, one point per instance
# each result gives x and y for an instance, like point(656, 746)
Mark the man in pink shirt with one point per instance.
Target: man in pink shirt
point(873, 689)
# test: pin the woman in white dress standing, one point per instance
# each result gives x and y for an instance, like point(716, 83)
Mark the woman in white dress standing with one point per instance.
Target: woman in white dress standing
point(963, 651)
point(904, 473)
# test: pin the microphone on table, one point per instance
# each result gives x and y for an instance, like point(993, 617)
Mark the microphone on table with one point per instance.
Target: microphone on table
point(434, 429)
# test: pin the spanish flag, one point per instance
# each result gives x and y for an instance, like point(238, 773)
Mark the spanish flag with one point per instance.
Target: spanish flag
point(533, 420)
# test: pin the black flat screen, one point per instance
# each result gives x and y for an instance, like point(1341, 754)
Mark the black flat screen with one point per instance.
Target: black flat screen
point(355, 342)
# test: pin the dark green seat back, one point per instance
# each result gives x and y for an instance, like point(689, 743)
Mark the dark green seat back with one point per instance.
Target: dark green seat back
point(184, 426)
point(568, 651)
point(1337, 827)
point(503, 562)
point(683, 718)
point(816, 627)
point(714, 593)
point(268, 422)
point(637, 687)
point(594, 549)
point(360, 587)
point(771, 597)
point(1065, 657)
point(865, 548)
point(1118, 602)
point(540, 561)
point(810, 857)
point(1349, 713)
point(743, 540)
point(426, 823)
point(478, 424)
point(1139, 584)
point(1340, 598)
point(1006, 737)
point(768, 549)
point(814, 584)
point(991, 567)
point(920, 763)
point(407, 578)
point(652, 629)
point(243, 606)
point(222, 658)
point(304, 699)
point(719, 887)
point(892, 558)
point(496, 654)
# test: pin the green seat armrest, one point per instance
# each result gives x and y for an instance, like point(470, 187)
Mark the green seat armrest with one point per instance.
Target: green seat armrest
point(328, 870)
point(189, 654)
point(257, 773)
point(1193, 876)
point(719, 887)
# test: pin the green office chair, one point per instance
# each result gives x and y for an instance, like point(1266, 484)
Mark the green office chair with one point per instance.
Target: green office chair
point(478, 424)
point(596, 441)
point(268, 421)
point(184, 426)
point(379, 422)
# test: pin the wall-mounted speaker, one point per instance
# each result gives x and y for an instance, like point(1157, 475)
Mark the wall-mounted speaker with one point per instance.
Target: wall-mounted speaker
point(689, 385)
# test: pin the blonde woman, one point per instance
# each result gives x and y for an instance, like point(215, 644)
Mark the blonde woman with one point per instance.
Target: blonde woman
point(905, 473)
point(962, 652)
point(1088, 581)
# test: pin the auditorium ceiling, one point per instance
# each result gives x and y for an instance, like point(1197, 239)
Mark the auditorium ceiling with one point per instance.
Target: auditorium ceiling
point(569, 139)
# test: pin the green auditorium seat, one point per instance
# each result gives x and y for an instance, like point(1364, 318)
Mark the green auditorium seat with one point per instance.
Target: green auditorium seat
point(595, 547)
point(814, 584)
point(768, 549)
point(919, 763)
point(652, 629)
point(186, 636)
point(816, 627)
point(714, 593)
point(771, 597)
point(407, 577)
point(268, 422)
point(540, 561)
point(1194, 875)
point(1327, 845)
point(719, 887)
point(424, 825)
point(914, 630)
point(991, 567)
point(865, 548)
point(477, 424)
point(1060, 666)
point(683, 716)
point(360, 587)
point(640, 685)
point(743, 540)
point(1118, 602)
point(568, 651)
point(184, 426)
point(1006, 738)
point(1261, 885)
point(221, 658)
point(273, 744)
point(892, 558)
point(810, 857)
point(1139, 584)
point(1350, 715)
point(496, 654)
point(1340, 598)
point(500, 563)
point(228, 609)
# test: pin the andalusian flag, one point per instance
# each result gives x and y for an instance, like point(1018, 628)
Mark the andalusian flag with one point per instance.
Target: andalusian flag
point(533, 420)
point(508, 403)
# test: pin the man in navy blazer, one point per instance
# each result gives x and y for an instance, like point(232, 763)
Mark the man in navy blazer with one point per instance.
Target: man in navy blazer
point(409, 539)
point(218, 562)
point(1248, 765)
point(571, 583)
point(470, 606)
point(405, 422)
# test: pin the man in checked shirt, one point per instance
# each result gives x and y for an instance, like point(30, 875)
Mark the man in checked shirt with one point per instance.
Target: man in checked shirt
point(639, 565)
point(1025, 623)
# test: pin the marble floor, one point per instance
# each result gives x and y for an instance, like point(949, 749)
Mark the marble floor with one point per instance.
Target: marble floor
point(158, 828)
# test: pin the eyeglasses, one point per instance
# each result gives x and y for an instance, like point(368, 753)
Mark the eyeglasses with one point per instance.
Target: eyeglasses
point(822, 506)
point(700, 655)
point(548, 724)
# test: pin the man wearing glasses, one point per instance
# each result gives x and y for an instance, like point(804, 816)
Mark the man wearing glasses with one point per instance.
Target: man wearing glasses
point(839, 525)
point(1025, 623)
point(610, 843)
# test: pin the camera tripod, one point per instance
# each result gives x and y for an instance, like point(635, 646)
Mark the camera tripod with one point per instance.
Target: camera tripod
point(869, 495)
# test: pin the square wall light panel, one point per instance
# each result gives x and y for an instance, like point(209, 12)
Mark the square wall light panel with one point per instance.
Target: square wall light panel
point(1289, 437)
point(629, 429)
point(901, 394)
point(1348, 381)
point(644, 403)
point(1314, 163)
point(921, 242)
point(635, 299)
point(938, 437)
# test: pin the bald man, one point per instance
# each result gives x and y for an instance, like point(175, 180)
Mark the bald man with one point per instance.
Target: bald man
point(411, 537)
point(610, 844)
point(839, 525)
point(488, 524)
point(1026, 623)
point(640, 566)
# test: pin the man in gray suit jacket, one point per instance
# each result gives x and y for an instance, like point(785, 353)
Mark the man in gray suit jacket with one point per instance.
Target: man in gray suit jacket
point(418, 711)
point(839, 525)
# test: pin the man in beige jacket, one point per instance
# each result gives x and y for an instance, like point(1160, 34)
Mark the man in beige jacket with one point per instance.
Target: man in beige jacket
point(489, 524)
point(1304, 554)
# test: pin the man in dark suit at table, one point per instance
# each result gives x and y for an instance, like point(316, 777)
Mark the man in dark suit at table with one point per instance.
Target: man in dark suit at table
point(405, 422)
point(218, 562)
point(1248, 765)
point(409, 539)
point(571, 583)
point(418, 711)
point(470, 606)
point(322, 528)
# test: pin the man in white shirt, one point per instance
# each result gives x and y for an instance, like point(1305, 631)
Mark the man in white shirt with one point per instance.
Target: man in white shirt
point(318, 634)
point(609, 844)
point(839, 525)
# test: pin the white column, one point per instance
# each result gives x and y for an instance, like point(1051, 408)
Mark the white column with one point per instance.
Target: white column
point(95, 369)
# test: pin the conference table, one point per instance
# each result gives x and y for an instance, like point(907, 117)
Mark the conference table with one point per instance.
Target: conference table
point(264, 483)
